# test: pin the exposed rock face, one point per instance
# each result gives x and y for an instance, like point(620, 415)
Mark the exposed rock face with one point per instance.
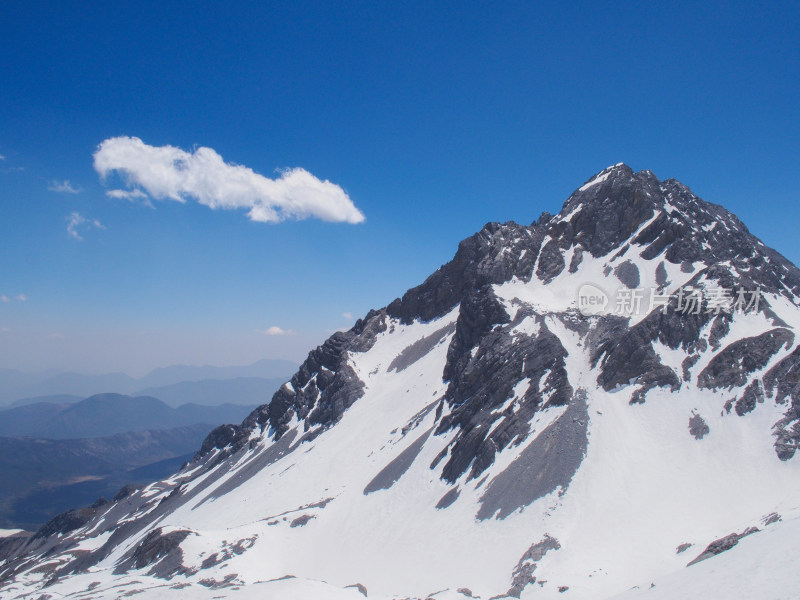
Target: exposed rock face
point(483, 368)
point(158, 550)
point(10, 546)
point(323, 388)
point(731, 367)
point(495, 254)
point(523, 573)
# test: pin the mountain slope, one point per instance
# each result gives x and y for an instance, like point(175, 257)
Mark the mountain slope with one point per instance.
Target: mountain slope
point(483, 436)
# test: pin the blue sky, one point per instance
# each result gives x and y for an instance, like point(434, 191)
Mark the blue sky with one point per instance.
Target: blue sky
point(433, 118)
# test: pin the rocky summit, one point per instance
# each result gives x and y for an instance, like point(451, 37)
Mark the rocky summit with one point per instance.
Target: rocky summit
point(603, 403)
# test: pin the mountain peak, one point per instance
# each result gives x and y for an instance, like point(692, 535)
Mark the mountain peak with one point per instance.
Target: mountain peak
point(618, 176)
point(614, 173)
point(617, 211)
point(666, 216)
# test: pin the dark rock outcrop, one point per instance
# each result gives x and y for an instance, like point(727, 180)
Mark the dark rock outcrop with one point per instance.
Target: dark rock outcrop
point(731, 367)
point(722, 545)
point(523, 572)
point(158, 550)
point(698, 427)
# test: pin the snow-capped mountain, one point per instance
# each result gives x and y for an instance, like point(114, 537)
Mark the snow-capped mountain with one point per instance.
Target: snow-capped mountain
point(579, 408)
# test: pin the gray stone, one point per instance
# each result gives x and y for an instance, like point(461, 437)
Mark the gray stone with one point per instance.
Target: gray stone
point(523, 572)
point(301, 521)
point(698, 427)
point(722, 545)
point(628, 274)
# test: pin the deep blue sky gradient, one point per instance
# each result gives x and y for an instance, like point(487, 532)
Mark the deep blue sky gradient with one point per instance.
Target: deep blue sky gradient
point(435, 117)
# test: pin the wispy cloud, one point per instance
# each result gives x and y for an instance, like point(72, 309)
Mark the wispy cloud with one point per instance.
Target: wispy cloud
point(348, 315)
point(11, 169)
point(5, 299)
point(63, 187)
point(167, 172)
point(134, 194)
point(76, 222)
point(275, 330)
point(21, 298)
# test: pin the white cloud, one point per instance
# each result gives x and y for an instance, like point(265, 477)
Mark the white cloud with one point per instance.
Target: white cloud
point(135, 194)
point(130, 195)
point(21, 298)
point(2, 157)
point(76, 221)
point(275, 330)
point(57, 336)
point(5, 299)
point(348, 315)
point(167, 172)
point(63, 187)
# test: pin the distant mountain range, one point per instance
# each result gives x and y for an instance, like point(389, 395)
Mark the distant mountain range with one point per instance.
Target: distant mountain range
point(54, 399)
point(250, 391)
point(249, 384)
point(110, 414)
point(63, 451)
point(40, 478)
point(68, 438)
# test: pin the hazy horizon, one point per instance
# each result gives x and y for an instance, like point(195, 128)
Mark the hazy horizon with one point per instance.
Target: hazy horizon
point(137, 354)
point(141, 374)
